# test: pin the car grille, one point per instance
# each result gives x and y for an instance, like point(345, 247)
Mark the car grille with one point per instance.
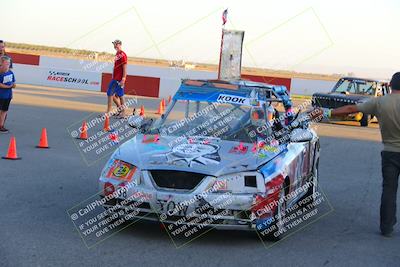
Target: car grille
point(330, 102)
point(176, 179)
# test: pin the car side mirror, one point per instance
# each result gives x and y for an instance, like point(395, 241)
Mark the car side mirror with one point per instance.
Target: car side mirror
point(301, 135)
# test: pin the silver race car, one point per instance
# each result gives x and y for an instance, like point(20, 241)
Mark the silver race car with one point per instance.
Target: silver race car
point(221, 154)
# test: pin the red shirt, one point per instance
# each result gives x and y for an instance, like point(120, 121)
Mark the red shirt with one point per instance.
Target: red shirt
point(119, 61)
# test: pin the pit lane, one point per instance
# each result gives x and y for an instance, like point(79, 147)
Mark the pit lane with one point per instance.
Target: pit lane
point(37, 191)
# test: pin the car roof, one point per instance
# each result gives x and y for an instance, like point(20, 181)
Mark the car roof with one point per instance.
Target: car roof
point(240, 86)
point(362, 79)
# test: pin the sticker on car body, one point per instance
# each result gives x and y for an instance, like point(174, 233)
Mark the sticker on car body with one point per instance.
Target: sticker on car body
point(121, 171)
point(233, 99)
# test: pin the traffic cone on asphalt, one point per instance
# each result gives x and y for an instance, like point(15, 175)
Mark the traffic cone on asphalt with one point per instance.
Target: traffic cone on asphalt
point(12, 150)
point(106, 127)
point(160, 109)
point(169, 99)
point(141, 111)
point(83, 130)
point(43, 140)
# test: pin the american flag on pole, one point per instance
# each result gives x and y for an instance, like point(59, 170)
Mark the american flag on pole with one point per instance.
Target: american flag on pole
point(224, 17)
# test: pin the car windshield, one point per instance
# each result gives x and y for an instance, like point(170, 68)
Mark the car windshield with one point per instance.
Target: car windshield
point(189, 118)
point(354, 86)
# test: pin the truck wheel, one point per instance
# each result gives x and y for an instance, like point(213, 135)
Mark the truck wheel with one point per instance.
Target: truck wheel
point(364, 120)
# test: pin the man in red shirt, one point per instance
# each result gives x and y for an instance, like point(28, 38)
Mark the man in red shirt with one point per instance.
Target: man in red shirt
point(117, 84)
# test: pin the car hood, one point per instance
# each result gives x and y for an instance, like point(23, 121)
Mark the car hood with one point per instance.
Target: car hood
point(208, 156)
point(340, 97)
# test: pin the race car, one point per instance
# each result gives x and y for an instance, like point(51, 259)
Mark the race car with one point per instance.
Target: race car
point(220, 154)
point(349, 91)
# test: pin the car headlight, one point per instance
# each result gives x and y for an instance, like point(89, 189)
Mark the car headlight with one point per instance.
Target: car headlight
point(122, 171)
point(243, 182)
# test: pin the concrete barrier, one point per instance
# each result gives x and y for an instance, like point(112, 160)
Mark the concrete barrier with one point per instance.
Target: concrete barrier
point(309, 87)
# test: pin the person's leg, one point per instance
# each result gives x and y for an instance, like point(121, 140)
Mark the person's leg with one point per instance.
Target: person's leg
point(120, 94)
point(110, 94)
point(109, 104)
point(390, 172)
point(116, 101)
point(118, 104)
point(4, 105)
point(123, 114)
point(3, 115)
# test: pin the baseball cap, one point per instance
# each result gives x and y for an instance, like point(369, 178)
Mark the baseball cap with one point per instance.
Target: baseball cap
point(117, 42)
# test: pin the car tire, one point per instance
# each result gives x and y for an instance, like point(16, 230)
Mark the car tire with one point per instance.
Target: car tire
point(278, 224)
point(365, 120)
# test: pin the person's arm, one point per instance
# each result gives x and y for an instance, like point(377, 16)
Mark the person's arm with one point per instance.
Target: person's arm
point(319, 113)
point(124, 66)
point(123, 75)
point(369, 107)
point(345, 110)
point(4, 86)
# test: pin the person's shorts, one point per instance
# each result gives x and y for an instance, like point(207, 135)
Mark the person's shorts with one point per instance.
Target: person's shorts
point(5, 104)
point(115, 89)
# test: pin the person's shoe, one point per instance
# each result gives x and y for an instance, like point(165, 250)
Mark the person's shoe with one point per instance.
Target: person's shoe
point(3, 130)
point(387, 233)
point(117, 114)
point(122, 117)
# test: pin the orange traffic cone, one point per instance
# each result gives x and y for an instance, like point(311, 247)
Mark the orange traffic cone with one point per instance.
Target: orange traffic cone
point(12, 150)
point(107, 127)
point(163, 103)
point(169, 99)
point(160, 108)
point(83, 130)
point(141, 111)
point(43, 140)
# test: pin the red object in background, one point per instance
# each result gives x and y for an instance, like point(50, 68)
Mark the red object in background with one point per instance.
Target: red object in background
point(24, 58)
point(270, 80)
point(135, 85)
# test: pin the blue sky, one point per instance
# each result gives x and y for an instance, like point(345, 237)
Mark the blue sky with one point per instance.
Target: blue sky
point(301, 35)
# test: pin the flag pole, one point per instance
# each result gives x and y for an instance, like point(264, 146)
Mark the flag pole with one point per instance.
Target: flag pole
point(224, 18)
point(220, 54)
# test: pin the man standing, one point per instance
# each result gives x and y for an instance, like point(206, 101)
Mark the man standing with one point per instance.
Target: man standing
point(387, 110)
point(116, 87)
point(3, 52)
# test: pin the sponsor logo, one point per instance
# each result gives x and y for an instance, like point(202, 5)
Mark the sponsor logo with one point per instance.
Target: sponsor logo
point(191, 154)
point(121, 171)
point(8, 78)
point(66, 77)
point(232, 99)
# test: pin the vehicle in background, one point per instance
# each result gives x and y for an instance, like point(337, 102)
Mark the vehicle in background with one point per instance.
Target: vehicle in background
point(348, 91)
